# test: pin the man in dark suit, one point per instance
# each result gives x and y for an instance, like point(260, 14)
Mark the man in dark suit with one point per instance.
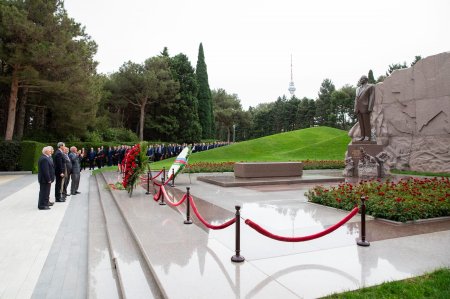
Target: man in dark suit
point(67, 173)
point(91, 157)
point(99, 158)
point(75, 175)
point(45, 177)
point(60, 167)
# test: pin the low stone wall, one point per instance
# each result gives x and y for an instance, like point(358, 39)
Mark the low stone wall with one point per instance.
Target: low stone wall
point(268, 169)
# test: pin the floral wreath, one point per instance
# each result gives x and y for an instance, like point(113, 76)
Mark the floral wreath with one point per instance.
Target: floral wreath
point(134, 164)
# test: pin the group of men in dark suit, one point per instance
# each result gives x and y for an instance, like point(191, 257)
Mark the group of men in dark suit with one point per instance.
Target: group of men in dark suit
point(159, 152)
point(64, 167)
point(101, 157)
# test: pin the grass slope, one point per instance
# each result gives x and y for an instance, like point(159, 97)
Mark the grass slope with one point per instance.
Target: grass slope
point(319, 143)
point(432, 285)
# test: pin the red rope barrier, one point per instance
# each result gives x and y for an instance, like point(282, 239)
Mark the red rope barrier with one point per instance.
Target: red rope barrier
point(168, 180)
point(210, 226)
point(266, 233)
point(159, 173)
point(170, 200)
point(157, 195)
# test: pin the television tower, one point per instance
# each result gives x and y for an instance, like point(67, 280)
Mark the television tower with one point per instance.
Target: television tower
point(291, 84)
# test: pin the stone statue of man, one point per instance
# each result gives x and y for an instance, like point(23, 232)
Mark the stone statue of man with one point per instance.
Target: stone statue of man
point(365, 97)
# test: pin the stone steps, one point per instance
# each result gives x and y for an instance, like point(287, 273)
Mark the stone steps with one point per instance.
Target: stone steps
point(135, 279)
point(102, 276)
point(186, 260)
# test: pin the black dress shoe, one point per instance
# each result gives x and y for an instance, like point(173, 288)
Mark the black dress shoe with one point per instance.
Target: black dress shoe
point(50, 203)
point(59, 200)
point(74, 194)
point(44, 208)
point(77, 192)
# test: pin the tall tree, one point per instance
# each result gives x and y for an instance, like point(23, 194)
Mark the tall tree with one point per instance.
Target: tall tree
point(205, 104)
point(263, 120)
point(395, 66)
point(19, 37)
point(186, 108)
point(341, 102)
point(305, 115)
point(46, 53)
point(324, 114)
point(416, 59)
point(163, 122)
point(371, 77)
point(135, 84)
point(228, 112)
point(143, 85)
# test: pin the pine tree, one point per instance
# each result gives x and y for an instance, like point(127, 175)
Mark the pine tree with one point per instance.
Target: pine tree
point(204, 96)
point(324, 113)
point(371, 77)
point(186, 108)
point(49, 56)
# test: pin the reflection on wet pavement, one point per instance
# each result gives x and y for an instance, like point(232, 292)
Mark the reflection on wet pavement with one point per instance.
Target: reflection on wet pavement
point(191, 259)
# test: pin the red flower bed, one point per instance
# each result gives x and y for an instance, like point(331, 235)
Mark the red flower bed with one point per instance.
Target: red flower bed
point(409, 199)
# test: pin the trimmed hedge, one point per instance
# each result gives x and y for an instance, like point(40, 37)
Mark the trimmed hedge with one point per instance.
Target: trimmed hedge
point(24, 155)
point(30, 153)
point(10, 152)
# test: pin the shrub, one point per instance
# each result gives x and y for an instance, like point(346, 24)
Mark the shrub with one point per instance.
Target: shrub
point(94, 137)
point(122, 134)
point(39, 135)
point(408, 199)
point(30, 153)
point(9, 155)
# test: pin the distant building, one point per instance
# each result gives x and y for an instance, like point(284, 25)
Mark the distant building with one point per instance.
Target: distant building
point(291, 84)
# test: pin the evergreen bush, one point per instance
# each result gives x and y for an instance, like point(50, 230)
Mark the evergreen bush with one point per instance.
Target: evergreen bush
point(9, 155)
point(29, 155)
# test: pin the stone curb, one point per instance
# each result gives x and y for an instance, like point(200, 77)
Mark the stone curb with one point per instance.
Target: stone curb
point(15, 172)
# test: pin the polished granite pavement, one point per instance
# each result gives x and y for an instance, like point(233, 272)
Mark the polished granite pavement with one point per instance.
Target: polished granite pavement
point(44, 253)
point(191, 261)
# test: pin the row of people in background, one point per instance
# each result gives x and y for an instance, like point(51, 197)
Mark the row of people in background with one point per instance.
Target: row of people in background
point(61, 169)
point(113, 155)
point(157, 152)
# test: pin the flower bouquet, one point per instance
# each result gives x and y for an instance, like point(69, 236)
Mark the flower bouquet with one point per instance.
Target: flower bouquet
point(135, 163)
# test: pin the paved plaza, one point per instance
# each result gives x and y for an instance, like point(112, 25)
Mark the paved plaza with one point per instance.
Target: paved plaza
point(104, 244)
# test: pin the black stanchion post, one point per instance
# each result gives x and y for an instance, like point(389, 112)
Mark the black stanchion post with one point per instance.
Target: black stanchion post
point(238, 258)
point(148, 183)
point(362, 241)
point(188, 207)
point(173, 178)
point(162, 203)
point(164, 173)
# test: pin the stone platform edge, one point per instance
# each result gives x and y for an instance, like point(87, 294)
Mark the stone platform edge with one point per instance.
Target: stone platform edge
point(267, 181)
point(15, 172)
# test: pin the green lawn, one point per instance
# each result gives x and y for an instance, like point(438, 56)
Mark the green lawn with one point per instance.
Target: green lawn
point(432, 285)
point(319, 143)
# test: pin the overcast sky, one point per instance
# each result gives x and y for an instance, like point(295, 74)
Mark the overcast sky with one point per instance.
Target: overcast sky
point(248, 44)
